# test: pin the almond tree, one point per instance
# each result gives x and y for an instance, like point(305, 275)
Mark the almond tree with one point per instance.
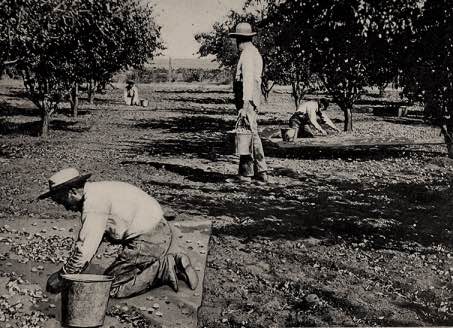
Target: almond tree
point(290, 46)
point(336, 40)
point(428, 74)
point(121, 34)
point(282, 61)
point(390, 30)
point(50, 44)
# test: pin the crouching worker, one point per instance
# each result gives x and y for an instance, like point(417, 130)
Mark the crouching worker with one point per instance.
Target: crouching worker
point(131, 94)
point(126, 215)
point(306, 118)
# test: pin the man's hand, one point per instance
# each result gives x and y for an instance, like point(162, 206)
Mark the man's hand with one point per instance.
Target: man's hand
point(55, 283)
point(245, 110)
point(323, 132)
point(242, 113)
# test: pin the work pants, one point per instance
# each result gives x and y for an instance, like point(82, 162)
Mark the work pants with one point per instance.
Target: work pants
point(142, 264)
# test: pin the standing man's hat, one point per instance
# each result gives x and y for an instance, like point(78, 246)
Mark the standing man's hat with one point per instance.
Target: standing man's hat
point(130, 82)
point(64, 179)
point(242, 29)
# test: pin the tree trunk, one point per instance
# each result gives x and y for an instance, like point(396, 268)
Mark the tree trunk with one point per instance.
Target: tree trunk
point(448, 140)
point(449, 144)
point(450, 150)
point(296, 93)
point(347, 119)
point(266, 88)
point(382, 89)
point(264, 91)
point(91, 91)
point(170, 71)
point(75, 100)
point(45, 122)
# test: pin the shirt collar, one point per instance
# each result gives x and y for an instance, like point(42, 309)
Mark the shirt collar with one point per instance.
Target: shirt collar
point(248, 46)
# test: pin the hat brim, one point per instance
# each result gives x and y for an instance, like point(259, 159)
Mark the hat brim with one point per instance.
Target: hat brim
point(68, 184)
point(235, 35)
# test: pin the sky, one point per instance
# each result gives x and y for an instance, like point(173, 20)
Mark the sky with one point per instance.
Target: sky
point(182, 19)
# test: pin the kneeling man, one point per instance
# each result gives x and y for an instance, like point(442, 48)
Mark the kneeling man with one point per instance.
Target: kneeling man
point(131, 94)
point(306, 117)
point(125, 215)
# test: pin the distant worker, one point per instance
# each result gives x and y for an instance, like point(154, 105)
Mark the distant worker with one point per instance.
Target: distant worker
point(247, 93)
point(131, 94)
point(306, 117)
point(125, 215)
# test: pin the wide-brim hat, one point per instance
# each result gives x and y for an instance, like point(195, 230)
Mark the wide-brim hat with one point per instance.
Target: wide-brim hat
point(130, 82)
point(64, 179)
point(242, 30)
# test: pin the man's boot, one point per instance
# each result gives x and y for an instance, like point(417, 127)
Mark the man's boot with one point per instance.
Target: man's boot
point(168, 274)
point(185, 270)
point(261, 178)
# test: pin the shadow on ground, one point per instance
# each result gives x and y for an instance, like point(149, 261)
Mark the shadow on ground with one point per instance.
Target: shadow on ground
point(343, 211)
point(200, 91)
point(8, 110)
point(196, 123)
point(204, 100)
point(34, 128)
point(409, 121)
point(347, 212)
point(199, 147)
point(193, 174)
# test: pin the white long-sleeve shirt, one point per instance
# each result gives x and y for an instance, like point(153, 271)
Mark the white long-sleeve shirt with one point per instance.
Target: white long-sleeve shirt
point(117, 209)
point(249, 70)
point(131, 96)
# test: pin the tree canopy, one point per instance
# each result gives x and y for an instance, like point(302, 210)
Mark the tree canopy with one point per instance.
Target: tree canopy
point(59, 43)
point(347, 45)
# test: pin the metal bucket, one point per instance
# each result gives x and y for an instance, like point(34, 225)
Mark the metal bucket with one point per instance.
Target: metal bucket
point(244, 142)
point(84, 299)
point(288, 134)
point(144, 103)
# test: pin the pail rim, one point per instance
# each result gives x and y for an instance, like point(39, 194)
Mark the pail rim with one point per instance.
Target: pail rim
point(87, 277)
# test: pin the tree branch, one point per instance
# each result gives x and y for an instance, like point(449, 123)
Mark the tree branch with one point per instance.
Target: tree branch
point(11, 62)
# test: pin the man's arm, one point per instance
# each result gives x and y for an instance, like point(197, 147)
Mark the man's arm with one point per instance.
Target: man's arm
point(329, 122)
point(248, 78)
point(314, 121)
point(239, 70)
point(126, 96)
point(245, 70)
point(294, 123)
point(94, 220)
point(296, 134)
point(88, 241)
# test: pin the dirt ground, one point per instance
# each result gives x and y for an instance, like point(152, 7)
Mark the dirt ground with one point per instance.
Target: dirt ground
point(349, 238)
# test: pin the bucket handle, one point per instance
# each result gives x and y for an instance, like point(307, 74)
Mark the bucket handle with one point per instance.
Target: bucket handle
point(241, 120)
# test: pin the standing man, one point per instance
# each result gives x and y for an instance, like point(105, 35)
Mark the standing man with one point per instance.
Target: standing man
point(125, 215)
point(247, 92)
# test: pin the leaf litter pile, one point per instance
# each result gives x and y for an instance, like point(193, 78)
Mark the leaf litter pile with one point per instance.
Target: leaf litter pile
point(349, 238)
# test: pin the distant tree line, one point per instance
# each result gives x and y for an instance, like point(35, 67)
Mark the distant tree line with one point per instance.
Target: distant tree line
point(160, 74)
point(344, 46)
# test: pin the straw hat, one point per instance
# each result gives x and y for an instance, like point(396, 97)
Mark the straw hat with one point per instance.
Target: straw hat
point(242, 29)
point(63, 179)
